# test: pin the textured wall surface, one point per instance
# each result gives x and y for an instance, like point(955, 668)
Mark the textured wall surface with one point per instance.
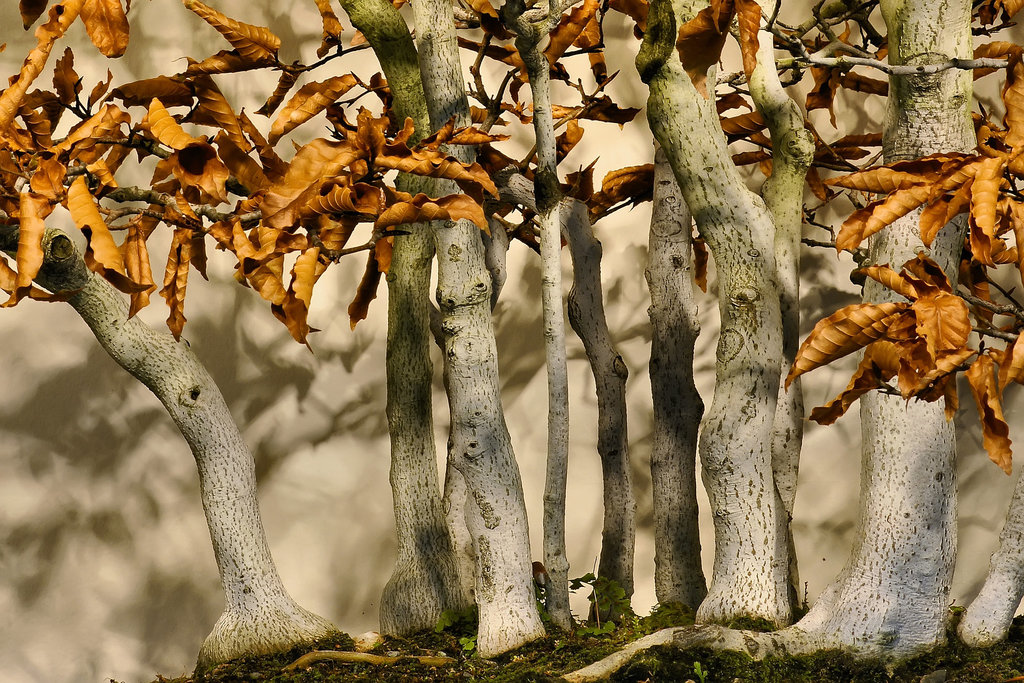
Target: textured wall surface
point(105, 563)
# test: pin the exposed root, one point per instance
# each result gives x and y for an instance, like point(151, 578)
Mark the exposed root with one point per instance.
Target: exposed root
point(307, 660)
point(754, 643)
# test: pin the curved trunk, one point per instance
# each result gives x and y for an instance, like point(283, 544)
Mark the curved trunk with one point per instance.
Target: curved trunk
point(678, 575)
point(426, 580)
point(751, 567)
point(783, 192)
point(587, 317)
point(893, 594)
point(547, 193)
point(259, 617)
point(478, 444)
point(988, 617)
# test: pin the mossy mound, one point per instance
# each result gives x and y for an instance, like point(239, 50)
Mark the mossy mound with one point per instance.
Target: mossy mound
point(547, 659)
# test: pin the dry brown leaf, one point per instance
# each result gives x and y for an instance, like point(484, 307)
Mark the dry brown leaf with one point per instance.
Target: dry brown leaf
point(569, 29)
point(137, 265)
point(845, 331)
point(867, 377)
point(882, 180)
point(633, 183)
point(940, 212)
point(1011, 368)
point(176, 279)
point(365, 292)
point(60, 18)
point(165, 129)
point(214, 110)
point(284, 85)
point(310, 100)
point(101, 250)
point(361, 199)
point(943, 321)
point(48, 180)
point(700, 263)
point(422, 208)
point(32, 210)
point(332, 28)
point(700, 42)
point(891, 279)
point(243, 167)
point(312, 162)
point(30, 11)
point(107, 26)
point(66, 82)
point(984, 196)
point(748, 19)
point(867, 221)
point(1013, 99)
point(256, 45)
point(995, 432)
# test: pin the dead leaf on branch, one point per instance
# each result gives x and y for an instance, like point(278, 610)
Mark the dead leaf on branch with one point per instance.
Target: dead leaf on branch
point(30, 10)
point(845, 331)
point(878, 365)
point(365, 292)
point(254, 44)
point(310, 100)
point(569, 29)
point(332, 28)
point(407, 209)
point(176, 279)
point(994, 430)
point(107, 25)
point(867, 221)
point(32, 210)
point(60, 18)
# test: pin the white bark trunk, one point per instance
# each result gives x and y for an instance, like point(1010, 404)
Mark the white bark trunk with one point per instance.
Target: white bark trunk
point(547, 193)
point(751, 567)
point(427, 579)
point(678, 408)
point(988, 617)
point(893, 595)
point(259, 617)
point(783, 192)
point(478, 445)
point(587, 316)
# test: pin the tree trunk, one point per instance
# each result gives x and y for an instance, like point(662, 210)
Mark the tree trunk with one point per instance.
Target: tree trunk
point(783, 192)
point(547, 193)
point(259, 617)
point(426, 580)
point(478, 444)
point(587, 316)
point(751, 567)
point(988, 618)
point(893, 594)
point(678, 575)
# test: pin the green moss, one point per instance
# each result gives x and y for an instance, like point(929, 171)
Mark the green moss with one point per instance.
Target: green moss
point(546, 659)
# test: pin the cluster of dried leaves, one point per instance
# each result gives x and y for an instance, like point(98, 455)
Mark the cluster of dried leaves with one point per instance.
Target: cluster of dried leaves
point(299, 214)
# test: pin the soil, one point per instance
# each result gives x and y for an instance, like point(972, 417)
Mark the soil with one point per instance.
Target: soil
point(547, 659)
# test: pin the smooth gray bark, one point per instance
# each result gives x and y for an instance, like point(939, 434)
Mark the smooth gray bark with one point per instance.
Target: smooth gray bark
point(678, 408)
point(530, 28)
point(587, 317)
point(478, 444)
point(427, 580)
point(893, 594)
point(751, 566)
point(259, 616)
point(783, 192)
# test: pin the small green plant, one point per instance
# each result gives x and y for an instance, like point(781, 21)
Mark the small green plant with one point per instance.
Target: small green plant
point(604, 629)
point(456, 620)
point(606, 595)
point(700, 672)
point(468, 644)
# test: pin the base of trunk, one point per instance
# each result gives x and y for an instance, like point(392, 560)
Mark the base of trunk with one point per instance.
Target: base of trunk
point(262, 629)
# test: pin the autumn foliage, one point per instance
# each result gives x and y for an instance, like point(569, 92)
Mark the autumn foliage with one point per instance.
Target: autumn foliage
point(219, 180)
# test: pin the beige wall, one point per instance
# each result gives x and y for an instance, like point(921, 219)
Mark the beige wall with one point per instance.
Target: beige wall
point(105, 563)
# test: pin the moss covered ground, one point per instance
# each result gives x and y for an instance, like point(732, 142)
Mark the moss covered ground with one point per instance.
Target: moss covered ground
point(547, 659)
